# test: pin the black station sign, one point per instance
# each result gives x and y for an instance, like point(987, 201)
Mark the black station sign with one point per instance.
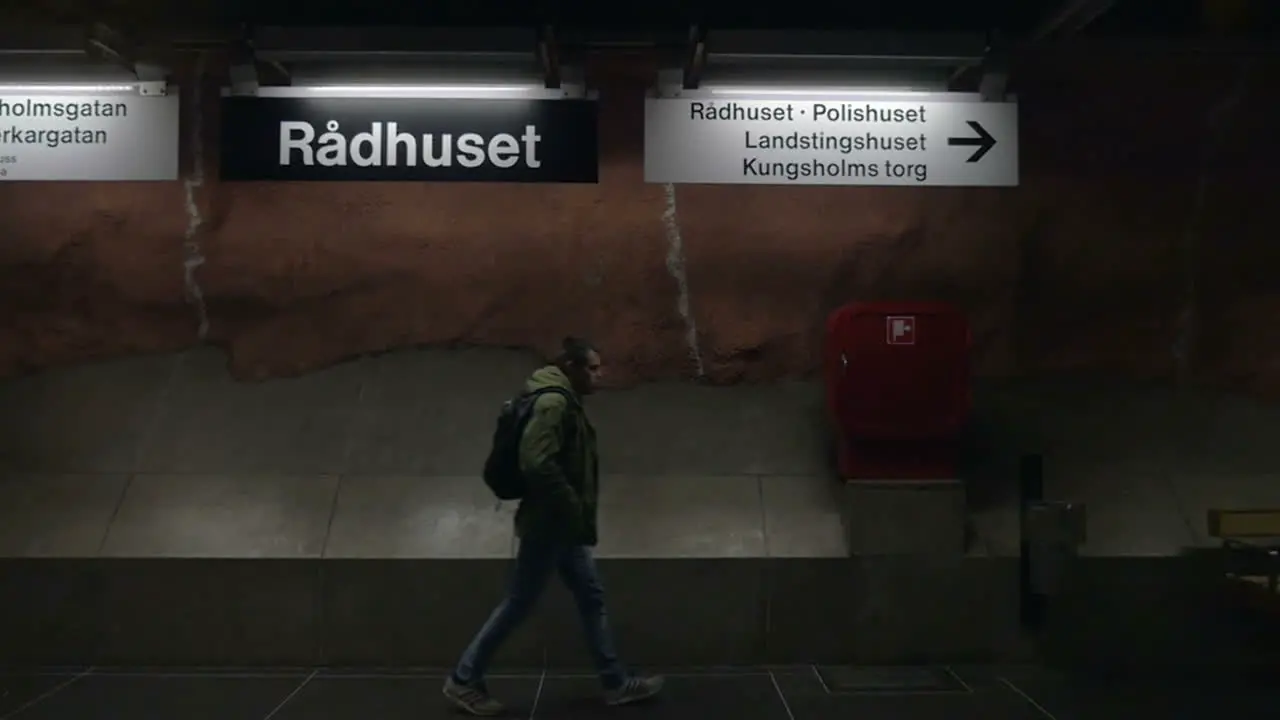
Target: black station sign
point(409, 139)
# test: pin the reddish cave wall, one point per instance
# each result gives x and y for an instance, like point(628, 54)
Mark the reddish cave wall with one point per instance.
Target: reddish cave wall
point(1130, 249)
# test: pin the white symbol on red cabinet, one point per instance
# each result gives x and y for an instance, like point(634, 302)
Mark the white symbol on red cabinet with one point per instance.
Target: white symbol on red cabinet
point(900, 330)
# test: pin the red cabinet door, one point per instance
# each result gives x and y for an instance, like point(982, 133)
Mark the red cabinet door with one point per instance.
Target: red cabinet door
point(897, 370)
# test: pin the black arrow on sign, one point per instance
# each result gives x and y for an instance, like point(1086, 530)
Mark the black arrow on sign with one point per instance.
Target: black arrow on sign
point(984, 142)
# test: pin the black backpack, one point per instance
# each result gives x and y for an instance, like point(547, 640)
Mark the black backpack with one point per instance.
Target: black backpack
point(502, 468)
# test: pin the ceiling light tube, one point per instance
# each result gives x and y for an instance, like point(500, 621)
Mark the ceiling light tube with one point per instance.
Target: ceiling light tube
point(815, 92)
point(428, 89)
point(818, 93)
point(408, 91)
point(65, 88)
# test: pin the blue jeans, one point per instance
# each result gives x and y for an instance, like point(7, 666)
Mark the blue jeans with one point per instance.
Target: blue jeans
point(535, 562)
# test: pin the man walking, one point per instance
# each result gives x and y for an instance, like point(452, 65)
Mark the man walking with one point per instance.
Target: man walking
point(556, 524)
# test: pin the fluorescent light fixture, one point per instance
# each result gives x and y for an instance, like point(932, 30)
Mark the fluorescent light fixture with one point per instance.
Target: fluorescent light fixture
point(65, 88)
point(816, 94)
point(430, 89)
point(810, 92)
point(411, 91)
point(415, 91)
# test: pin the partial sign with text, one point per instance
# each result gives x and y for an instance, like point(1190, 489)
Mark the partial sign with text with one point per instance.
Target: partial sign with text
point(438, 140)
point(102, 137)
point(898, 142)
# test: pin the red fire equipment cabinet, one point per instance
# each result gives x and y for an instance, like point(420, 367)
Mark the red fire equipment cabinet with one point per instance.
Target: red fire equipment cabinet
point(898, 388)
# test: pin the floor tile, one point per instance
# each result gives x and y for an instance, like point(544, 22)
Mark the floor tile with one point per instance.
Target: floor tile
point(793, 693)
point(230, 672)
point(44, 515)
point(395, 517)
point(20, 688)
point(133, 697)
point(685, 429)
point(211, 423)
point(904, 518)
point(787, 431)
point(393, 697)
point(431, 412)
point(672, 516)
point(674, 428)
point(888, 679)
point(741, 697)
point(87, 418)
point(1066, 700)
point(802, 516)
point(223, 516)
point(808, 699)
point(1128, 513)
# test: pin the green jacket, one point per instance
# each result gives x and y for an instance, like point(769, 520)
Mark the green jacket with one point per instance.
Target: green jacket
point(558, 457)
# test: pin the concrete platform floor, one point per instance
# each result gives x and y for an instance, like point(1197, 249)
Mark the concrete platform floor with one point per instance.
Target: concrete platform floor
point(284, 516)
point(783, 693)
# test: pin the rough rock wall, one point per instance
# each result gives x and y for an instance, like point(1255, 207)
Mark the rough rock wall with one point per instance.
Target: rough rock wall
point(1141, 243)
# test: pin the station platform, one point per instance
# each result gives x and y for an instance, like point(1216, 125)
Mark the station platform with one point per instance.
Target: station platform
point(155, 512)
point(752, 693)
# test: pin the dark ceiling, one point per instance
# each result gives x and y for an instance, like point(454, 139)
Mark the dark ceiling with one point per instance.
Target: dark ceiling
point(1016, 18)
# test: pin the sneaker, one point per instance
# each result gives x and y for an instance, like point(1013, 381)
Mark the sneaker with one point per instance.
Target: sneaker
point(473, 699)
point(634, 690)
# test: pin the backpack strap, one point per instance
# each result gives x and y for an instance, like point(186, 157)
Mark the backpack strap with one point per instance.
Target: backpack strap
point(568, 396)
point(573, 403)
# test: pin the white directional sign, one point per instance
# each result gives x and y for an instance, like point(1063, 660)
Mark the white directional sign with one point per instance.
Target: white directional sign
point(899, 141)
point(83, 136)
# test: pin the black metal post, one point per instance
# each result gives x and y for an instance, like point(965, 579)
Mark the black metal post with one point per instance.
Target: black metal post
point(1033, 605)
